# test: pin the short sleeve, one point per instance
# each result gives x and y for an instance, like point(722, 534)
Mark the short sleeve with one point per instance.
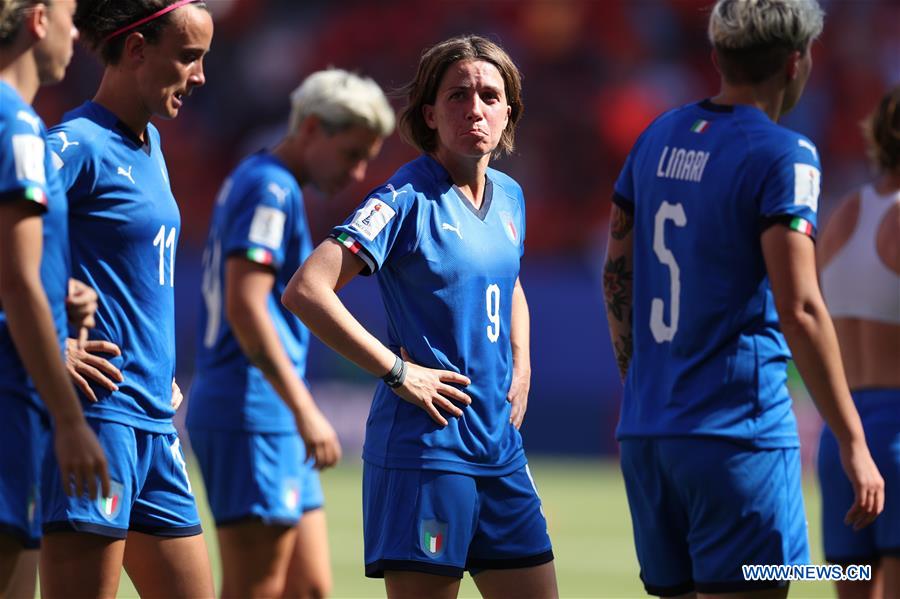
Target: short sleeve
point(623, 192)
point(23, 154)
point(382, 228)
point(74, 161)
point(790, 189)
point(257, 221)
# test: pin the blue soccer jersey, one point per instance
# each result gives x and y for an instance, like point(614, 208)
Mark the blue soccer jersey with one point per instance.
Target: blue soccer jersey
point(27, 174)
point(703, 182)
point(446, 273)
point(259, 215)
point(124, 231)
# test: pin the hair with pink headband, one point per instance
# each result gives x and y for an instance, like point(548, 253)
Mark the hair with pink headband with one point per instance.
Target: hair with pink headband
point(103, 24)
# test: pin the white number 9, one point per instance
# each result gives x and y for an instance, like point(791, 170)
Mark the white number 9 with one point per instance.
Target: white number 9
point(492, 300)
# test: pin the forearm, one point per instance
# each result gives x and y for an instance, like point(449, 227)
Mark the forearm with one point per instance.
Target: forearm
point(520, 332)
point(259, 341)
point(810, 335)
point(618, 272)
point(34, 335)
point(319, 307)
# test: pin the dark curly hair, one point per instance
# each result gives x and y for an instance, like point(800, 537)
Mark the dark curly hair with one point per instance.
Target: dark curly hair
point(882, 132)
point(97, 19)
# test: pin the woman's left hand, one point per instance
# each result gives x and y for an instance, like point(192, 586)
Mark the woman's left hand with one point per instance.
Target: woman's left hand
point(518, 397)
point(177, 396)
point(81, 304)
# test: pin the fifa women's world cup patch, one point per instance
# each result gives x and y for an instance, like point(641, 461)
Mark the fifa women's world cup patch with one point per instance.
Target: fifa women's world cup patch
point(28, 152)
point(807, 182)
point(372, 218)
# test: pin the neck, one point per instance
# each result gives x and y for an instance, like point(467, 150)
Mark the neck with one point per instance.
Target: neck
point(19, 70)
point(289, 151)
point(466, 173)
point(888, 182)
point(764, 96)
point(119, 95)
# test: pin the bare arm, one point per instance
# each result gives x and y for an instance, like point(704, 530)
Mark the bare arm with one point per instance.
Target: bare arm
point(247, 289)
point(617, 285)
point(33, 332)
point(519, 337)
point(791, 265)
point(311, 295)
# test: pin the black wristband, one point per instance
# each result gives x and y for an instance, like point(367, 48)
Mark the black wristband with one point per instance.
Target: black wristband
point(397, 374)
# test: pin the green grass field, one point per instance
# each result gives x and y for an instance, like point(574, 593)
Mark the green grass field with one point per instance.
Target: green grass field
point(584, 501)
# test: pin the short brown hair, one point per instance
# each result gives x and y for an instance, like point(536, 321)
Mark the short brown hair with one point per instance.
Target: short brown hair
point(423, 88)
point(882, 132)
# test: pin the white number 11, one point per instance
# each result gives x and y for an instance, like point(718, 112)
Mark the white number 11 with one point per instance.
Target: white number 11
point(164, 242)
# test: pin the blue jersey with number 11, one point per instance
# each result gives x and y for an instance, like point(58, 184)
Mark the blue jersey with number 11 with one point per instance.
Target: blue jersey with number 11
point(124, 231)
point(703, 182)
point(447, 273)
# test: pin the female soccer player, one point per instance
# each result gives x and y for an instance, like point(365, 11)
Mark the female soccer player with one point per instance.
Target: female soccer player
point(35, 47)
point(709, 279)
point(124, 226)
point(859, 260)
point(248, 399)
point(445, 486)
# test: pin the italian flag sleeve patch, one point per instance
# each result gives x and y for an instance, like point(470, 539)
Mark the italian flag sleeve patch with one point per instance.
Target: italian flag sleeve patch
point(801, 225)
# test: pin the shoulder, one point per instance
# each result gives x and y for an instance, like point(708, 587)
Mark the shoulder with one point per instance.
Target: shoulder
point(78, 136)
point(509, 185)
point(262, 174)
point(838, 228)
point(887, 237)
point(776, 143)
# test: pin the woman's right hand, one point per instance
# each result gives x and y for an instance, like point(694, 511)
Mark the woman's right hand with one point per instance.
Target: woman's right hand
point(82, 462)
point(868, 486)
point(319, 438)
point(430, 389)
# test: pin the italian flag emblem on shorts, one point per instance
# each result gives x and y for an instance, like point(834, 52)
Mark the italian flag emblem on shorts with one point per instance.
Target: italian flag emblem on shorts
point(111, 506)
point(433, 536)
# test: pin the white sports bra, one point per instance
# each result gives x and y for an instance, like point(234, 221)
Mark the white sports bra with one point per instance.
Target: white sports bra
point(856, 283)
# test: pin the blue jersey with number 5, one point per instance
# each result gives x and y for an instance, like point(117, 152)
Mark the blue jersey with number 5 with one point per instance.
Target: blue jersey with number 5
point(703, 182)
point(124, 226)
point(446, 273)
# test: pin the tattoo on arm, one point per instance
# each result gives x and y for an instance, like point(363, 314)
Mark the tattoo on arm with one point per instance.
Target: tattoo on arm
point(621, 224)
point(617, 288)
point(617, 279)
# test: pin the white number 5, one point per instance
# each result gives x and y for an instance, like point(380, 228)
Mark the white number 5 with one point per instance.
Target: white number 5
point(661, 331)
point(492, 300)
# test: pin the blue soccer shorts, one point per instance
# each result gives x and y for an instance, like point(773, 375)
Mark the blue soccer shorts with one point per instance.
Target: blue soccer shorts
point(703, 507)
point(879, 410)
point(262, 476)
point(26, 437)
point(444, 523)
point(150, 492)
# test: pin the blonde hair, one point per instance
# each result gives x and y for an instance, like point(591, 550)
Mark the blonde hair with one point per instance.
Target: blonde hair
point(11, 13)
point(753, 38)
point(340, 99)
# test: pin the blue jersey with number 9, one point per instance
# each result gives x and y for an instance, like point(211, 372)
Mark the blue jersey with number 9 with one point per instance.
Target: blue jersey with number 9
point(124, 226)
point(703, 182)
point(447, 273)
